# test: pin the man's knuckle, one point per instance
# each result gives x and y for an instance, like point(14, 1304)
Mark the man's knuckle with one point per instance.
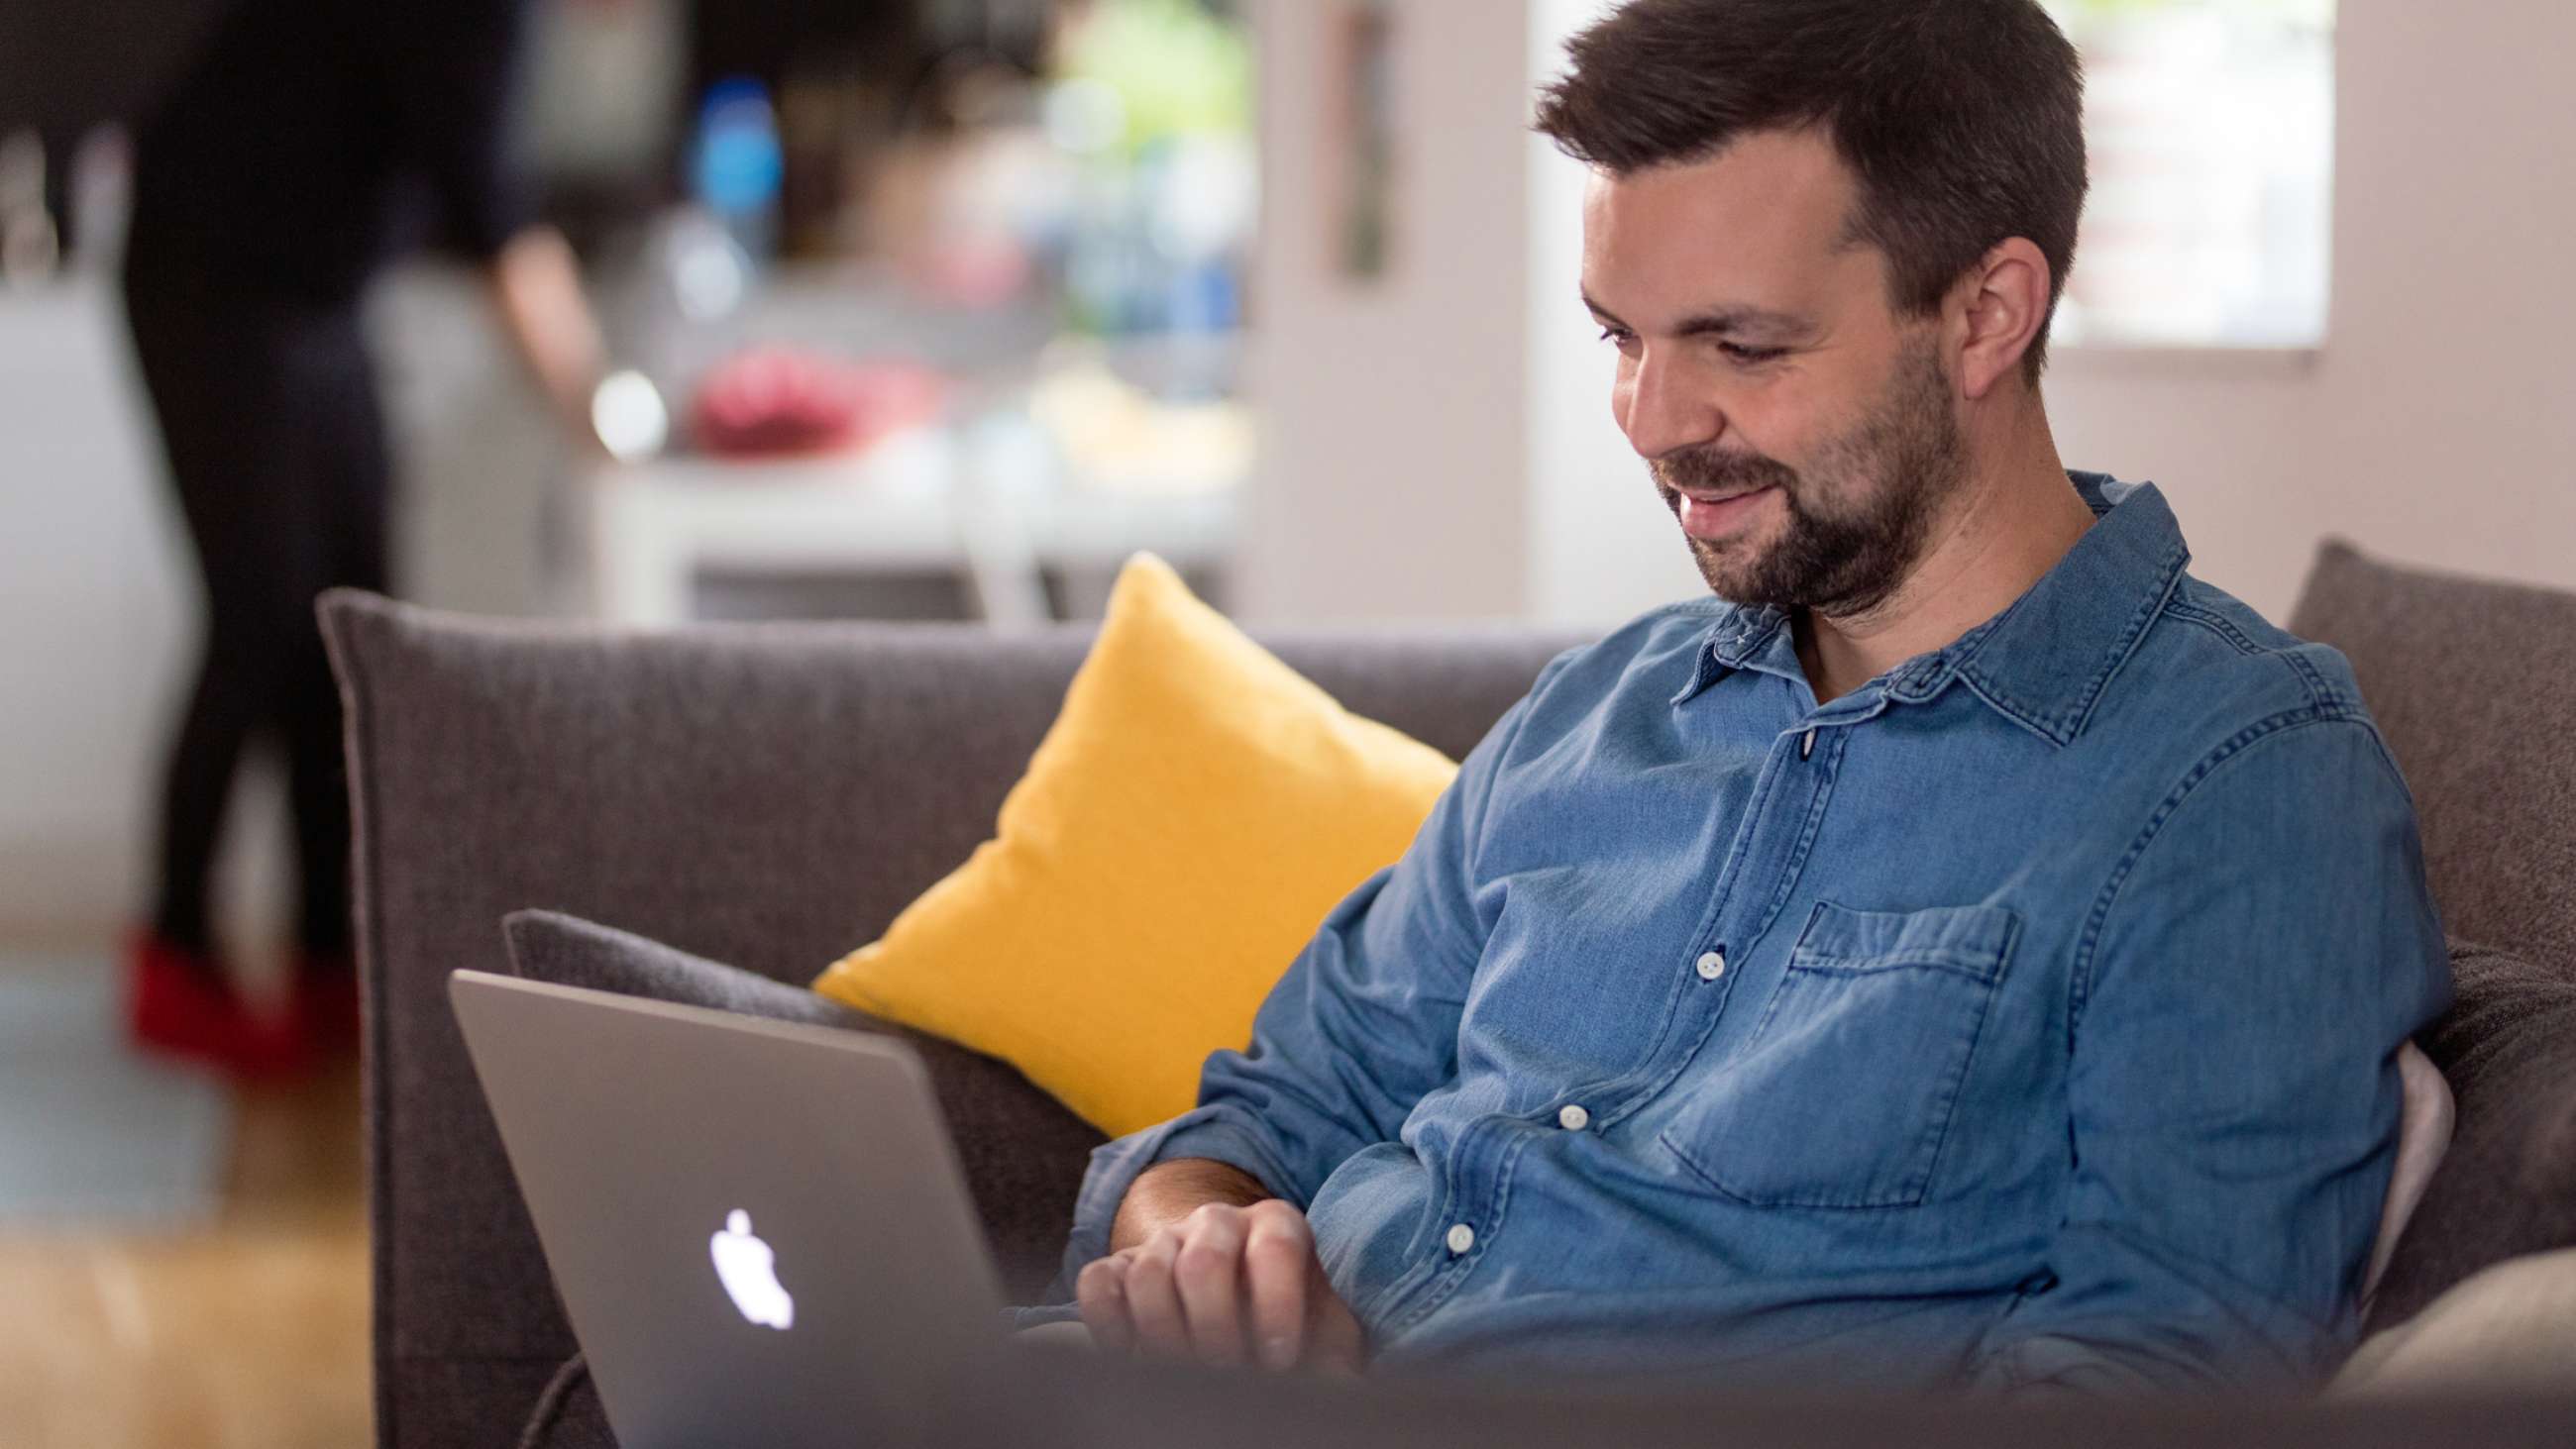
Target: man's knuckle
point(1202, 1259)
point(1279, 1215)
point(1277, 1245)
point(1270, 1241)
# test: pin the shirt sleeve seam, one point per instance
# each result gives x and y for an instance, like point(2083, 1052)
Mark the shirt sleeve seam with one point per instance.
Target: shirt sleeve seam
point(2079, 983)
point(1474, 863)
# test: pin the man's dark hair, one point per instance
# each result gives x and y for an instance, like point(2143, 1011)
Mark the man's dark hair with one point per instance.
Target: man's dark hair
point(1962, 119)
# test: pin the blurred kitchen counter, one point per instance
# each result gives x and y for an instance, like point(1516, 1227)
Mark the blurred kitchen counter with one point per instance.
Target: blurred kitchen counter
point(499, 515)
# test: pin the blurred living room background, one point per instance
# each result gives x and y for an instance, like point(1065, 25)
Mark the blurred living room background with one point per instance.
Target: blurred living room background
point(1281, 290)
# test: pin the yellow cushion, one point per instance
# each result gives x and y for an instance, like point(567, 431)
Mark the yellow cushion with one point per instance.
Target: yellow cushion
point(1182, 831)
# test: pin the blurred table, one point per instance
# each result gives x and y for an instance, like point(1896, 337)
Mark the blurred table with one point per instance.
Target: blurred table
point(985, 501)
point(1050, 456)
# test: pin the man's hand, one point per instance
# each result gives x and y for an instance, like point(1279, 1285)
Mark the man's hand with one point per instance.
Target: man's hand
point(1227, 1285)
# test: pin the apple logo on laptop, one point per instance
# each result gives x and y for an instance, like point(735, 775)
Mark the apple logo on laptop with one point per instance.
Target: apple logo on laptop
point(749, 1272)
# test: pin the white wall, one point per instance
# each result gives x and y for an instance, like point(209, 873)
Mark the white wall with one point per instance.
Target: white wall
point(2433, 426)
point(1603, 547)
point(1392, 482)
point(95, 602)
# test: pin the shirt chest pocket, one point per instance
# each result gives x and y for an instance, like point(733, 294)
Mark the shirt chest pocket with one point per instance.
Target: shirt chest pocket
point(1841, 1096)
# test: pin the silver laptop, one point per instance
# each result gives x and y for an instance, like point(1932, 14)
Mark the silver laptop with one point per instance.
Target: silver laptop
point(758, 1228)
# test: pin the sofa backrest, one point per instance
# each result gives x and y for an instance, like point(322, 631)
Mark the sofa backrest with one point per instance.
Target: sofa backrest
point(763, 795)
point(2474, 685)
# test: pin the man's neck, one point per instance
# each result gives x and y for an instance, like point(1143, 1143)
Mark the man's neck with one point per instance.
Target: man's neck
point(2008, 528)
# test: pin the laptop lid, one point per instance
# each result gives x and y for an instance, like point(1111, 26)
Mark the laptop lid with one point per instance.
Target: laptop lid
point(758, 1229)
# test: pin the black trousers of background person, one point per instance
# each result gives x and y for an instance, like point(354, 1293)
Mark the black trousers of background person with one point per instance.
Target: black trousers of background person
point(276, 446)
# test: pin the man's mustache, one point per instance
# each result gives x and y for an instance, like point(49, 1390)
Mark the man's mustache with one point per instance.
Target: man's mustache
point(1711, 470)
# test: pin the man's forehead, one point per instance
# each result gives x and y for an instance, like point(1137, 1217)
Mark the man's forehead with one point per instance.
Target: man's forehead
point(1790, 177)
point(1767, 218)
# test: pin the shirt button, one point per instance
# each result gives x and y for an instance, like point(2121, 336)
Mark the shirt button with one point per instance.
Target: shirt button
point(1712, 966)
point(1807, 746)
point(1572, 1117)
point(1461, 1237)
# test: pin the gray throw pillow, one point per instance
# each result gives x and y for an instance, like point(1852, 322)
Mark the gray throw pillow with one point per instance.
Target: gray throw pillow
point(2507, 1188)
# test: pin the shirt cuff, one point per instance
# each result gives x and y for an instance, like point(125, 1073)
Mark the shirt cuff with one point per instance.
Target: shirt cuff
point(1220, 1140)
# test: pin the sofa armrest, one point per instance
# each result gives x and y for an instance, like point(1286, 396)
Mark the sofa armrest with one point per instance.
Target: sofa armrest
point(765, 795)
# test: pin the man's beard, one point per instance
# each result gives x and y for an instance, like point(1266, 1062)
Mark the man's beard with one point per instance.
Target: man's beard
point(1858, 518)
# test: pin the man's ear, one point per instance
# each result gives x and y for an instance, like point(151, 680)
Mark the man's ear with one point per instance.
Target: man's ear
point(2006, 304)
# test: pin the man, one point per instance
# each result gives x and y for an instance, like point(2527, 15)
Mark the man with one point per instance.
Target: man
point(1968, 950)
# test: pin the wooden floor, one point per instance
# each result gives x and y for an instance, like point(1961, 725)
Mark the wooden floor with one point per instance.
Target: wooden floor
point(250, 1332)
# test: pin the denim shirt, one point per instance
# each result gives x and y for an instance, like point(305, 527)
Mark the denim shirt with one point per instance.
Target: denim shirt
point(2023, 1017)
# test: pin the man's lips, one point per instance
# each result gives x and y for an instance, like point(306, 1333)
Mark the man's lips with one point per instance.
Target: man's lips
point(1712, 516)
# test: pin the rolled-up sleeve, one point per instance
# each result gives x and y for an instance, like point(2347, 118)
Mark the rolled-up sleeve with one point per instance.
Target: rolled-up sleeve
point(2265, 946)
point(1361, 1027)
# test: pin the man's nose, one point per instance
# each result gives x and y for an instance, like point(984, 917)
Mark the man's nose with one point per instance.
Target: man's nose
point(1661, 410)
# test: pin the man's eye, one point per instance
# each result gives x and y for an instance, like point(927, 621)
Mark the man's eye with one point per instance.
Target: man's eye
point(1617, 336)
point(1751, 356)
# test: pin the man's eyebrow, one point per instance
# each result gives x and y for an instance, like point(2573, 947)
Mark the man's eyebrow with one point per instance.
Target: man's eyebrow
point(1722, 321)
point(1727, 321)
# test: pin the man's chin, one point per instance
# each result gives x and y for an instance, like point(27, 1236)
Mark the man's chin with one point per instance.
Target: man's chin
point(1727, 568)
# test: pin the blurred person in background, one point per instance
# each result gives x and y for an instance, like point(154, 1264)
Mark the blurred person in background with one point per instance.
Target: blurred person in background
point(273, 180)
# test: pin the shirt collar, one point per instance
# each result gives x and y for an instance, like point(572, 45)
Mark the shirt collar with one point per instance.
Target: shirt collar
point(2042, 663)
point(1743, 637)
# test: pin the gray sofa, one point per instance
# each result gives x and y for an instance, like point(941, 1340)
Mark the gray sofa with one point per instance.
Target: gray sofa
point(771, 795)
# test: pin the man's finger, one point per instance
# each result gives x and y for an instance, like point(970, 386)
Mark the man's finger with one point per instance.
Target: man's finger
point(1153, 1305)
point(1207, 1275)
point(1101, 1290)
point(1278, 1263)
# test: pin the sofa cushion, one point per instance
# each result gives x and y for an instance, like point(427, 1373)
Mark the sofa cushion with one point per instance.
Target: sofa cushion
point(1196, 809)
point(2426, 1114)
point(2470, 682)
point(2507, 1188)
point(1023, 1154)
point(2510, 1329)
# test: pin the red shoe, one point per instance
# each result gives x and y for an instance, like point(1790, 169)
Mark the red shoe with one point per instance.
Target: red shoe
point(178, 1003)
point(322, 1012)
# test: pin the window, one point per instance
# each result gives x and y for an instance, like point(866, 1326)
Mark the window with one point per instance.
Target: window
point(2211, 130)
